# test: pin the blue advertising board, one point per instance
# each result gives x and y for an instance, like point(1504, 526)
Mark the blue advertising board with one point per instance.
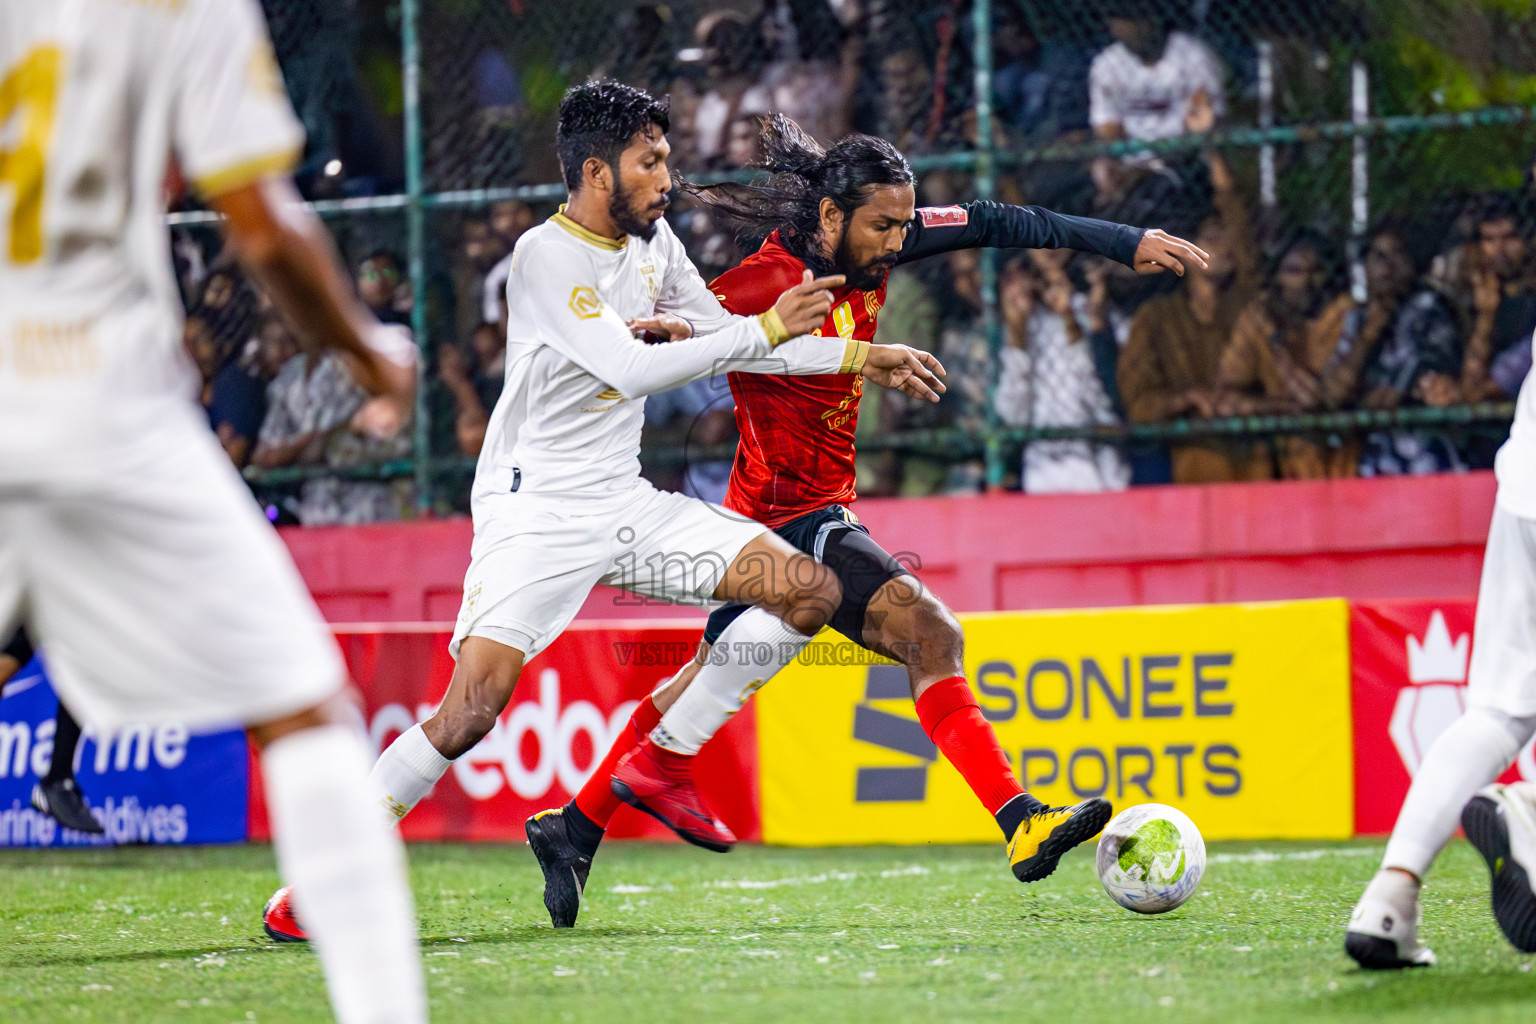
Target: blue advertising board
point(145, 784)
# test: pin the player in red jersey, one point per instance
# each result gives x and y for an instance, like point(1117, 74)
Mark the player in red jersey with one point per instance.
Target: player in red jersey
point(850, 211)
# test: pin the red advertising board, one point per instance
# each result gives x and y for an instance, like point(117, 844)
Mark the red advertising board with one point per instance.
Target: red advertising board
point(1409, 673)
point(572, 699)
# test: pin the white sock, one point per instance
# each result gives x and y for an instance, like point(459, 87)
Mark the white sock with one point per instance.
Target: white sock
point(1470, 754)
point(748, 653)
point(406, 772)
point(347, 869)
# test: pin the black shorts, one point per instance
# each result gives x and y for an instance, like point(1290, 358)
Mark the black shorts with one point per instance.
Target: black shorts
point(835, 538)
point(19, 647)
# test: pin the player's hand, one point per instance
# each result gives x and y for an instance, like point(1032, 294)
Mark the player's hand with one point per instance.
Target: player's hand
point(1160, 251)
point(380, 418)
point(805, 306)
point(386, 369)
point(660, 327)
point(907, 369)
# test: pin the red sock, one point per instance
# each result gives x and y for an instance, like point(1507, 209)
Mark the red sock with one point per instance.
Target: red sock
point(952, 719)
point(596, 798)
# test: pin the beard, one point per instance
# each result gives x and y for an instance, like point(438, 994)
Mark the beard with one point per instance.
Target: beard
point(866, 277)
point(626, 219)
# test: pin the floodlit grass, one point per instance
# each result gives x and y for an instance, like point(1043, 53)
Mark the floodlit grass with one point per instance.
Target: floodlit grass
point(670, 933)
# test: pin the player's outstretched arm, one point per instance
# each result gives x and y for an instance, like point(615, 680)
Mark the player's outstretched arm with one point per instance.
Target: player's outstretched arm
point(565, 312)
point(984, 224)
point(283, 246)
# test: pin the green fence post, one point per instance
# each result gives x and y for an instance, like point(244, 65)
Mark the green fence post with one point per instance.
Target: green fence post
point(415, 227)
point(986, 188)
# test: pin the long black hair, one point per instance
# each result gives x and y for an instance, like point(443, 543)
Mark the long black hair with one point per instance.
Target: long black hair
point(800, 175)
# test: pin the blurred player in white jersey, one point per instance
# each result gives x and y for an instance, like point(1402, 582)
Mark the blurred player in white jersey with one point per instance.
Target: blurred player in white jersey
point(129, 546)
point(1454, 781)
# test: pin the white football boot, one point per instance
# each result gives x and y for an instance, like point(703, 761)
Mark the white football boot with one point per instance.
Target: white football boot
point(1384, 929)
point(1501, 822)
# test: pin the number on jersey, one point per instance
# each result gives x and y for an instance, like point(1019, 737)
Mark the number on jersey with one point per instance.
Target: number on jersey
point(27, 93)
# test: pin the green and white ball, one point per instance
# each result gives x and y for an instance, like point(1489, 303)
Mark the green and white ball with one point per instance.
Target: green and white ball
point(1151, 858)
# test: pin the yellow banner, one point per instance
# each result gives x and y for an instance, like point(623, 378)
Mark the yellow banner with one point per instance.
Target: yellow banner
point(1238, 715)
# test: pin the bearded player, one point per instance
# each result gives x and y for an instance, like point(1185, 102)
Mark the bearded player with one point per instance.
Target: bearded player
point(846, 211)
point(559, 503)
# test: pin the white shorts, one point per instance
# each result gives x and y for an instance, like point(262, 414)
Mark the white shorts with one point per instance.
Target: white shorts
point(159, 592)
point(535, 560)
point(1503, 671)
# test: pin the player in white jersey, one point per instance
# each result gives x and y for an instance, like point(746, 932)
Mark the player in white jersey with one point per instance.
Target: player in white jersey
point(1477, 748)
point(559, 504)
point(128, 543)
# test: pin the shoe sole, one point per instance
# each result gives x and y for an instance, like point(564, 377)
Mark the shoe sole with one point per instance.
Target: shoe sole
point(1373, 953)
point(277, 936)
point(562, 909)
point(1514, 905)
point(1076, 830)
point(623, 792)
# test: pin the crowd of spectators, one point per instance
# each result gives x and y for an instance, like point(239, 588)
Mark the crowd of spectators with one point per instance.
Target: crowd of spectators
point(1282, 321)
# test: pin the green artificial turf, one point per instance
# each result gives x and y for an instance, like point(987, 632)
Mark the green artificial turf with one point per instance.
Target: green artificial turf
point(670, 933)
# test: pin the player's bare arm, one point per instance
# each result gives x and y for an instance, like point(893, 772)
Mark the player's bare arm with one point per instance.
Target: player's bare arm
point(286, 249)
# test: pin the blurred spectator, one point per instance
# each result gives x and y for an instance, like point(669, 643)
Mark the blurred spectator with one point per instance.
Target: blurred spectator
point(1047, 378)
point(1040, 89)
point(232, 394)
point(1500, 289)
point(646, 55)
point(1416, 364)
point(962, 348)
point(1168, 368)
point(1291, 352)
point(734, 55)
point(312, 405)
point(509, 219)
point(910, 316)
point(814, 66)
point(474, 382)
point(697, 416)
point(744, 142)
point(480, 249)
point(1142, 86)
point(382, 286)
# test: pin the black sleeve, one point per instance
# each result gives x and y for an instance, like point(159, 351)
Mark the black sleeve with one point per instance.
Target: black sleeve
point(19, 647)
point(988, 225)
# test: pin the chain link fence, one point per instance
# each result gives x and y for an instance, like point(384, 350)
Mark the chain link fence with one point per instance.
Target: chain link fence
point(1361, 168)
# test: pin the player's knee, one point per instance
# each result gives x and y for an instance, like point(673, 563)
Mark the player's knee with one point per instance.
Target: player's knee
point(937, 637)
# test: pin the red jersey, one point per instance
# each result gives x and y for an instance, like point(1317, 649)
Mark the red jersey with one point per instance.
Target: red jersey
point(796, 450)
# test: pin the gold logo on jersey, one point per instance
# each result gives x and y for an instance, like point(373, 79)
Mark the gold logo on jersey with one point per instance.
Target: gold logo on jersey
point(871, 304)
point(842, 319)
point(609, 395)
point(585, 303)
point(839, 415)
point(652, 283)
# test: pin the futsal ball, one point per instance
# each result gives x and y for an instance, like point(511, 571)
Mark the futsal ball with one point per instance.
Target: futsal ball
point(1150, 858)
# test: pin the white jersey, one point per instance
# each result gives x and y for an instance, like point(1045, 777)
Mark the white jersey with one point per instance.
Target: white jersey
point(1515, 465)
point(568, 421)
point(95, 95)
